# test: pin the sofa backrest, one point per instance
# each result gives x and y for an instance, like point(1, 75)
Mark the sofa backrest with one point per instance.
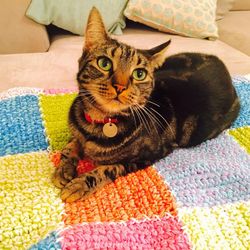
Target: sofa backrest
point(19, 34)
point(241, 5)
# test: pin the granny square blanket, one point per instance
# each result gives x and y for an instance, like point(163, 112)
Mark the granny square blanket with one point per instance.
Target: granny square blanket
point(196, 198)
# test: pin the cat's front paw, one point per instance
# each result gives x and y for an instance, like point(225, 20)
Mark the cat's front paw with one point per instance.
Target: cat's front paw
point(78, 188)
point(64, 174)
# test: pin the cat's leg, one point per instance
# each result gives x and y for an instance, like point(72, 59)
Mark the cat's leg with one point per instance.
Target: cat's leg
point(66, 171)
point(87, 184)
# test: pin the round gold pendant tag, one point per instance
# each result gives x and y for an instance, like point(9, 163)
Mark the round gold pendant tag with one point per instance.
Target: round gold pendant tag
point(110, 129)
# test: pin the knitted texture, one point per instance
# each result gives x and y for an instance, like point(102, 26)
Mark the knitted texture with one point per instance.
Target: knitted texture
point(209, 174)
point(21, 127)
point(155, 233)
point(222, 227)
point(29, 203)
point(243, 90)
point(242, 135)
point(134, 196)
point(50, 242)
point(55, 115)
point(196, 198)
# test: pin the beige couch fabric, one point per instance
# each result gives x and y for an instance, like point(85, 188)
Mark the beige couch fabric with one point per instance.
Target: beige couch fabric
point(241, 5)
point(223, 7)
point(19, 34)
point(58, 67)
point(234, 29)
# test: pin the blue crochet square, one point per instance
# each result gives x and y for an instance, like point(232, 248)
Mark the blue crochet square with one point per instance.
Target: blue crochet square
point(242, 86)
point(51, 242)
point(21, 128)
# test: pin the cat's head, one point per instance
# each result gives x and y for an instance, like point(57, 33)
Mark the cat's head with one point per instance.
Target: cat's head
point(113, 75)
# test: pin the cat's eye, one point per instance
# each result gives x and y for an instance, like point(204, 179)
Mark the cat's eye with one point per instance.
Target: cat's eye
point(139, 74)
point(104, 63)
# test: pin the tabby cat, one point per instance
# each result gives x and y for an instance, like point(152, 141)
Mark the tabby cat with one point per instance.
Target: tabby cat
point(135, 106)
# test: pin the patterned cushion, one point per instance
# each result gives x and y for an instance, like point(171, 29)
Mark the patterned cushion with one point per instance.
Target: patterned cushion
point(194, 18)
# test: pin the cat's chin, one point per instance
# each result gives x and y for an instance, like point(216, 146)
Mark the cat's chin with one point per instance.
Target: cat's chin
point(115, 106)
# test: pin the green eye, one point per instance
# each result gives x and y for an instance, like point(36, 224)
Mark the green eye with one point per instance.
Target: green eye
point(139, 74)
point(104, 63)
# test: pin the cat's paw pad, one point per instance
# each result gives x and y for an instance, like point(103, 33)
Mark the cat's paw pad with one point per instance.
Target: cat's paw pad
point(63, 175)
point(75, 190)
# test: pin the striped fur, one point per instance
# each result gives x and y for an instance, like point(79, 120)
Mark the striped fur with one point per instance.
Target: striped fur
point(183, 101)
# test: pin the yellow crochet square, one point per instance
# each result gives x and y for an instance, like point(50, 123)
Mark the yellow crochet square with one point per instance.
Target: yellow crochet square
point(55, 110)
point(30, 206)
point(223, 227)
point(242, 135)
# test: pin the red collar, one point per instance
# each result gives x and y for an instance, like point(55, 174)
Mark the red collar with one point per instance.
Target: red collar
point(106, 120)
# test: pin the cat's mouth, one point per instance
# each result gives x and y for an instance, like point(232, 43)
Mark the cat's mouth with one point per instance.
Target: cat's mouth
point(117, 99)
point(114, 105)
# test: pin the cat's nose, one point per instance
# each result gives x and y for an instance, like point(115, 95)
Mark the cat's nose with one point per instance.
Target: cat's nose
point(119, 88)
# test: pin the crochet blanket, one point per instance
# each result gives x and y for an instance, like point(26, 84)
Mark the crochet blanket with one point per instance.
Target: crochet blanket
point(197, 198)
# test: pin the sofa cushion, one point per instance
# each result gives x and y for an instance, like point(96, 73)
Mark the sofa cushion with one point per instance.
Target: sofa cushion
point(19, 33)
point(234, 29)
point(194, 18)
point(73, 15)
point(223, 7)
point(241, 5)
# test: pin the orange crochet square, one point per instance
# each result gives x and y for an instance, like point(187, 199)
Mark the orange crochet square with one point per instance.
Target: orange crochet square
point(137, 195)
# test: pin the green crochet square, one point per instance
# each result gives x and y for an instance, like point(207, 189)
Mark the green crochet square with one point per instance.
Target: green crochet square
point(55, 110)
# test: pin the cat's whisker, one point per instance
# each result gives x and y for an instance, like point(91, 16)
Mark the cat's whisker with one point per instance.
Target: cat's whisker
point(136, 114)
point(155, 119)
point(90, 98)
point(154, 103)
point(84, 91)
point(98, 86)
point(144, 119)
point(139, 116)
point(93, 88)
point(84, 94)
point(95, 92)
point(151, 118)
point(91, 101)
point(163, 120)
point(132, 112)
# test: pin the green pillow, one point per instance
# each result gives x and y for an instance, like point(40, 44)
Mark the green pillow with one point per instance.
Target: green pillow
point(72, 15)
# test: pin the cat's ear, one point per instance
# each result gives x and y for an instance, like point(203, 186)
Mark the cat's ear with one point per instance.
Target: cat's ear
point(95, 33)
point(157, 54)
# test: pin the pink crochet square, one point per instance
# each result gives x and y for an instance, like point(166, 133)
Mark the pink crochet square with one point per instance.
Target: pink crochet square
point(164, 233)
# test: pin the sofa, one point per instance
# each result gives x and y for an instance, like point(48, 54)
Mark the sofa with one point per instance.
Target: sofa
point(32, 57)
point(196, 198)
